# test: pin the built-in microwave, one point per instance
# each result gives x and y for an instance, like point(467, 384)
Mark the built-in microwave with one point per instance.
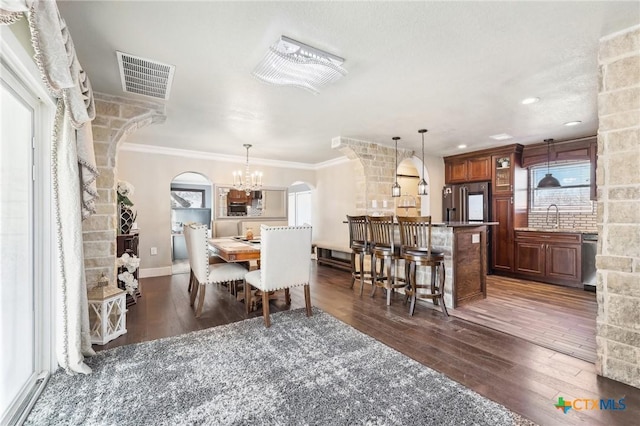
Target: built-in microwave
point(237, 209)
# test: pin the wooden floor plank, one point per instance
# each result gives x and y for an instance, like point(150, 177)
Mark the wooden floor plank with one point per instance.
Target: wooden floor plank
point(525, 377)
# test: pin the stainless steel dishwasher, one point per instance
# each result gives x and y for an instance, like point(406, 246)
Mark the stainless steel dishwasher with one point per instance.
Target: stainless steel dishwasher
point(589, 249)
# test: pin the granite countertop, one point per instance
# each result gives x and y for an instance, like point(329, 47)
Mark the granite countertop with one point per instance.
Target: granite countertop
point(464, 224)
point(566, 230)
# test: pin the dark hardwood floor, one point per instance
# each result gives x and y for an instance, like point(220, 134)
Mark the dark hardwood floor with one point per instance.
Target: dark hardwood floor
point(525, 377)
point(559, 318)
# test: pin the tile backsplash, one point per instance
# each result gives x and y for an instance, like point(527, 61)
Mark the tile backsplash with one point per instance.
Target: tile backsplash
point(568, 220)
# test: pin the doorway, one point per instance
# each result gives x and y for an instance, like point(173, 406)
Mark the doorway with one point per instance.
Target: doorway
point(191, 201)
point(299, 206)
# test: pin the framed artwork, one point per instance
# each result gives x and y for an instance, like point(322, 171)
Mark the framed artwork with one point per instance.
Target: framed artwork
point(187, 198)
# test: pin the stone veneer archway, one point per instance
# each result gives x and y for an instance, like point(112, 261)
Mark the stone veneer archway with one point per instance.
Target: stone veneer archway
point(375, 169)
point(116, 118)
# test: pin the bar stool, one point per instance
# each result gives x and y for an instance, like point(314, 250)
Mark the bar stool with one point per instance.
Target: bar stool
point(360, 246)
point(415, 241)
point(387, 252)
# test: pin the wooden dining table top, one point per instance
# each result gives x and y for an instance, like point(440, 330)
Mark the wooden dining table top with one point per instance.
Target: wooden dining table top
point(235, 249)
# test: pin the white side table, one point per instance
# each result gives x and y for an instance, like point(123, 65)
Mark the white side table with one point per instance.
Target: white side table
point(107, 313)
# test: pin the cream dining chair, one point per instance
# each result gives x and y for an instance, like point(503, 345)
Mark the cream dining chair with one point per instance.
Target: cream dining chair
point(285, 262)
point(203, 272)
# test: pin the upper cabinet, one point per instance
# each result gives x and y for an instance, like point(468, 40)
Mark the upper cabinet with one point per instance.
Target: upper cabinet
point(461, 169)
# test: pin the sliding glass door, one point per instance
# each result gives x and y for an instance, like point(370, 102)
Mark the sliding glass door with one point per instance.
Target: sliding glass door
point(24, 284)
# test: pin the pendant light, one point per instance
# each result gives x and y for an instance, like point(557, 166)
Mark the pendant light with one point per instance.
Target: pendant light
point(395, 189)
point(422, 185)
point(548, 181)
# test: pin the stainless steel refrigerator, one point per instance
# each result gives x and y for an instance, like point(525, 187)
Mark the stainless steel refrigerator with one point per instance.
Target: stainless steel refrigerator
point(467, 202)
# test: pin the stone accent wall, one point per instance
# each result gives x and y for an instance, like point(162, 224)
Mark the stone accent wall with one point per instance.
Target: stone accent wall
point(618, 179)
point(376, 166)
point(116, 118)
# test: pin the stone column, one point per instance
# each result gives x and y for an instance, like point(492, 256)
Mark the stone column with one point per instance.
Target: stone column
point(116, 118)
point(376, 165)
point(618, 179)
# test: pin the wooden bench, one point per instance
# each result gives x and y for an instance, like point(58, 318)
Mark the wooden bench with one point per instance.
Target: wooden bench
point(326, 255)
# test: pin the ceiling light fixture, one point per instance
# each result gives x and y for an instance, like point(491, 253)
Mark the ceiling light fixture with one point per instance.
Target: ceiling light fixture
point(462, 146)
point(548, 181)
point(529, 101)
point(422, 185)
point(501, 137)
point(395, 189)
point(291, 63)
point(572, 123)
point(250, 182)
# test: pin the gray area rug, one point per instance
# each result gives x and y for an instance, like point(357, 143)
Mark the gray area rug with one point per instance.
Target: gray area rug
point(316, 371)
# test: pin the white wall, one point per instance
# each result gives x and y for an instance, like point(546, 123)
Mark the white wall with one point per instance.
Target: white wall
point(151, 176)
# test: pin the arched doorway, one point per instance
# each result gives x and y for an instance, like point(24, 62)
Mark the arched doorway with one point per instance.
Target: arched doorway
point(191, 201)
point(410, 171)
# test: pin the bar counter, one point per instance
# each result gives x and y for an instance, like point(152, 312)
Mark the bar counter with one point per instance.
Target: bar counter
point(464, 245)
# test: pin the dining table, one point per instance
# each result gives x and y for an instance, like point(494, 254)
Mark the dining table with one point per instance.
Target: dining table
point(235, 249)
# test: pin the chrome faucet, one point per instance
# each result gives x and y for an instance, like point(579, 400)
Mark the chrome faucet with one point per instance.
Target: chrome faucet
point(557, 224)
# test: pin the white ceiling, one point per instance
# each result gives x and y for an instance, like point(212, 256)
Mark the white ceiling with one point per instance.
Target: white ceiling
point(460, 69)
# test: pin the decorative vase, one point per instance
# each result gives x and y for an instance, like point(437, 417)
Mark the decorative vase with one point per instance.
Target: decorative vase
point(127, 216)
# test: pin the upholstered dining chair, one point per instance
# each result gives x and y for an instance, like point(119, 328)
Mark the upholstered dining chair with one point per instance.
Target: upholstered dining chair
point(385, 250)
point(203, 272)
point(416, 250)
point(361, 246)
point(285, 262)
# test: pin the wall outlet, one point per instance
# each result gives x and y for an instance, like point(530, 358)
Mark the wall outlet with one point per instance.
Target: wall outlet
point(154, 251)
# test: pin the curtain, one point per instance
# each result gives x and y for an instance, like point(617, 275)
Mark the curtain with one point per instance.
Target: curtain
point(74, 169)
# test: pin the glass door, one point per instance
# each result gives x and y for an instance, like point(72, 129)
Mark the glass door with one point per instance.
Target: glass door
point(17, 292)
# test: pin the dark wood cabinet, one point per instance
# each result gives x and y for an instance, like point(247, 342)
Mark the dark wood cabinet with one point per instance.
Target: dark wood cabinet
point(551, 257)
point(467, 169)
point(502, 174)
point(502, 234)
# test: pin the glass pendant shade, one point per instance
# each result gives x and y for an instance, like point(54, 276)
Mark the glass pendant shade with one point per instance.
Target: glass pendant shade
point(422, 185)
point(548, 181)
point(395, 189)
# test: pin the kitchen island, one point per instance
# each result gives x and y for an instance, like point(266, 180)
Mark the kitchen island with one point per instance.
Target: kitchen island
point(464, 245)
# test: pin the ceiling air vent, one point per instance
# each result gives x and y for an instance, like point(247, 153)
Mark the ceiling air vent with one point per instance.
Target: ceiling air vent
point(144, 76)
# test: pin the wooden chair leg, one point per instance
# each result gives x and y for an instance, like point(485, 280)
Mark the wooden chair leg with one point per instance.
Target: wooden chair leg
point(194, 290)
point(287, 296)
point(265, 309)
point(441, 290)
point(307, 299)
point(391, 271)
point(191, 277)
point(201, 292)
point(353, 268)
point(434, 269)
point(247, 297)
point(374, 277)
point(414, 288)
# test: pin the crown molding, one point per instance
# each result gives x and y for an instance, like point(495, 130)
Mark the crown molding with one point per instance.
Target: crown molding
point(201, 155)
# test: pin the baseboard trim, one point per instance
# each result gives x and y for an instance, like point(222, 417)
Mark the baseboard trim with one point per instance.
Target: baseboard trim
point(154, 272)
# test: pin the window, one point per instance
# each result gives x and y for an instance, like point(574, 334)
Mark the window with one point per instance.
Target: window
point(574, 193)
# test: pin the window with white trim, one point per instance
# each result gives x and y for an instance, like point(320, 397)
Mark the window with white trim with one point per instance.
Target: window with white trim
point(574, 194)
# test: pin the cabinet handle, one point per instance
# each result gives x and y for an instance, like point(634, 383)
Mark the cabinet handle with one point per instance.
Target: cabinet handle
point(510, 187)
point(511, 200)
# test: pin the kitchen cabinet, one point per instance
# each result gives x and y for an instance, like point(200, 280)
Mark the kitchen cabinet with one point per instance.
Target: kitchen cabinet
point(502, 234)
point(236, 196)
point(502, 177)
point(469, 169)
point(551, 257)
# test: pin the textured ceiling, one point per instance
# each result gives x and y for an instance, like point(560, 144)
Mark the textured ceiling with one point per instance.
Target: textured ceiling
point(458, 69)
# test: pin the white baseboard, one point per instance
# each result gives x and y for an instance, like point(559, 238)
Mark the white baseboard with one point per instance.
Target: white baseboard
point(154, 272)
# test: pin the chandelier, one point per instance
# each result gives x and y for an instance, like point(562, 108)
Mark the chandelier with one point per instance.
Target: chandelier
point(291, 63)
point(249, 181)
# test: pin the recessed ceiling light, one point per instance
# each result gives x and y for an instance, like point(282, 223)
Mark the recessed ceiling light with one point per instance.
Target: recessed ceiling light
point(528, 101)
point(462, 146)
point(572, 123)
point(501, 137)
